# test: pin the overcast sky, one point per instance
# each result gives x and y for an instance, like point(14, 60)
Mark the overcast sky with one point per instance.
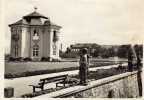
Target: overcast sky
point(85, 21)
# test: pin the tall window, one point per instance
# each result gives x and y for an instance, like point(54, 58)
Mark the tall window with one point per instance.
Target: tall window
point(16, 51)
point(54, 49)
point(35, 50)
point(55, 37)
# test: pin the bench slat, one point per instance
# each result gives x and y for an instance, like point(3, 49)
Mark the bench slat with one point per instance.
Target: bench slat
point(50, 78)
point(55, 79)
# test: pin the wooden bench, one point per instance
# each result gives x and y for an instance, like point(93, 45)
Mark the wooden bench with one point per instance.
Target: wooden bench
point(59, 79)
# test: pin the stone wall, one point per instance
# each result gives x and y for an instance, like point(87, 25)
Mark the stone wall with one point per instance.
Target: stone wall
point(119, 86)
point(126, 87)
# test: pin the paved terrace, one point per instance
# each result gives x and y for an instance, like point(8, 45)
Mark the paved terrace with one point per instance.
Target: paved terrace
point(21, 87)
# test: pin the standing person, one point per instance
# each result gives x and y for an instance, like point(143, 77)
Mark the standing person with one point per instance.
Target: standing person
point(130, 61)
point(83, 69)
point(88, 61)
point(139, 61)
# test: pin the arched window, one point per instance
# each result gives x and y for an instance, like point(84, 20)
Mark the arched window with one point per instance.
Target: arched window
point(35, 50)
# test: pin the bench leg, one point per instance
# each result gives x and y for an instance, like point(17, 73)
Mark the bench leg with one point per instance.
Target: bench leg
point(42, 88)
point(56, 85)
point(33, 89)
point(64, 84)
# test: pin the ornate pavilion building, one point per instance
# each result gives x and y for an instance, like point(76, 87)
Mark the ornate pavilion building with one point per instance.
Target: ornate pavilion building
point(35, 36)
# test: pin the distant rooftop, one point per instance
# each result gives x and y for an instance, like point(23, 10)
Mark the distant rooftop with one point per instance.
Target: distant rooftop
point(84, 45)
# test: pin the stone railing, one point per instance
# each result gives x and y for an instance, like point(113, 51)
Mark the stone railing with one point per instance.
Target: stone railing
point(119, 86)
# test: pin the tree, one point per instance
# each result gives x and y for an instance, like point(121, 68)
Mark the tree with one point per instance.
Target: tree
point(96, 52)
point(123, 51)
point(68, 50)
point(111, 52)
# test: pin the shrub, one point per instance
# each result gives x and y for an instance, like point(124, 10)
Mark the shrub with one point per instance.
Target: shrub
point(27, 59)
point(19, 59)
point(15, 59)
point(45, 59)
point(7, 56)
point(12, 59)
point(9, 75)
point(69, 55)
point(55, 60)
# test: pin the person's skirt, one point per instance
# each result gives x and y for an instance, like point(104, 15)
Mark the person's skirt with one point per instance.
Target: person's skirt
point(83, 72)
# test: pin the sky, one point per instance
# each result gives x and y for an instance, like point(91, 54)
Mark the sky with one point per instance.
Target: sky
point(84, 21)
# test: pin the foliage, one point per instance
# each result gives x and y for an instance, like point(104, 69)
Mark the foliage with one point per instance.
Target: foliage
point(27, 59)
point(123, 51)
point(7, 56)
point(45, 59)
point(110, 51)
point(139, 50)
point(15, 59)
point(69, 55)
point(68, 50)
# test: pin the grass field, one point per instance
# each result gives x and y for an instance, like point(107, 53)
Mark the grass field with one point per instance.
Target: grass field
point(16, 67)
point(23, 69)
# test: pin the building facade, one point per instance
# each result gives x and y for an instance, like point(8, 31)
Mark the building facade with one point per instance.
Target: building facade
point(90, 46)
point(35, 36)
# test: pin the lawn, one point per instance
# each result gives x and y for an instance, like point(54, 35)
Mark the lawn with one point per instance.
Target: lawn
point(19, 67)
point(23, 69)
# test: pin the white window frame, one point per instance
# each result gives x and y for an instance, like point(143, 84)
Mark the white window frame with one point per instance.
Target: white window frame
point(35, 50)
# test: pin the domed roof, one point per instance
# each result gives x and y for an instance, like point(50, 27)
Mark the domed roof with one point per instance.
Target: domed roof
point(34, 15)
point(20, 22)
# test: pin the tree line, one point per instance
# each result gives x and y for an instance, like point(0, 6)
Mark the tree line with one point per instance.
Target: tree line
point(120, 51)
